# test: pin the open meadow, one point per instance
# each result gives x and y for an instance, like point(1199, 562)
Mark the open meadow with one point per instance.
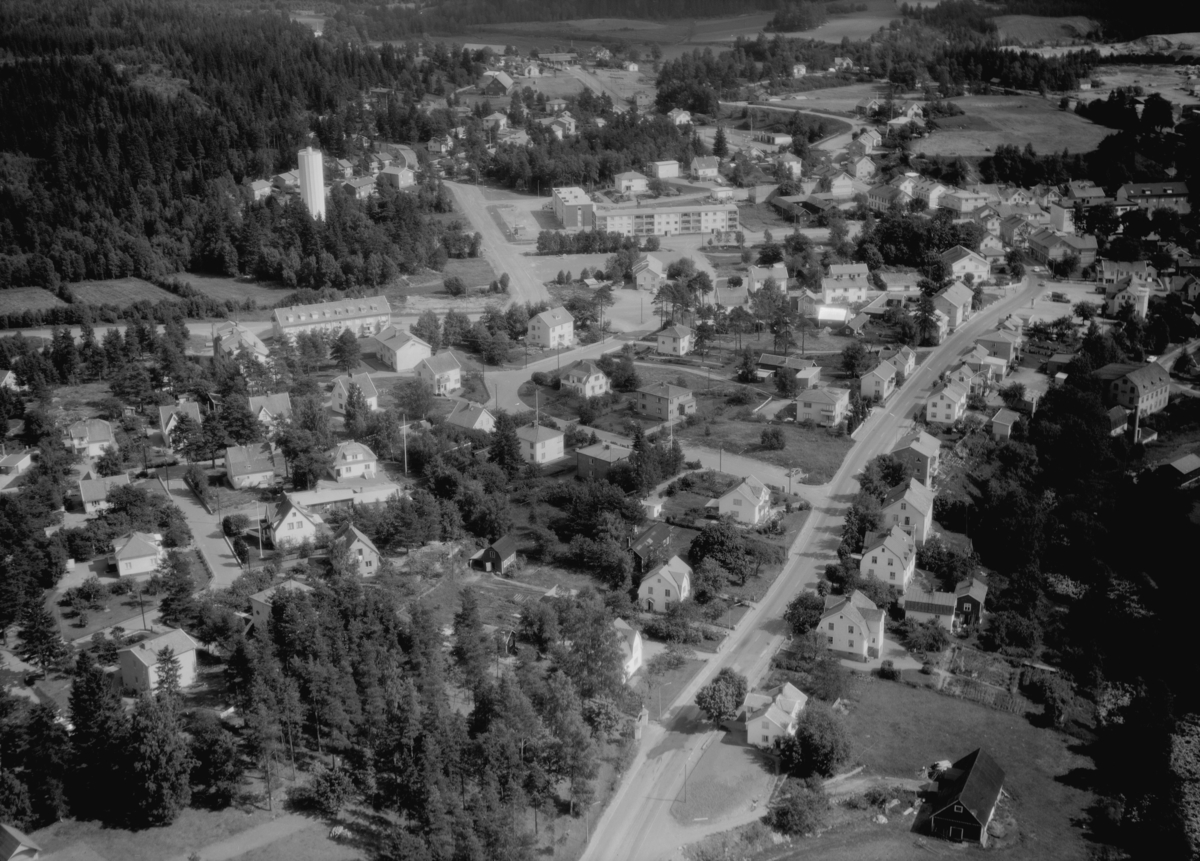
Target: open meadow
point(1032, 29)
point(899, 730)
point(14, 300)
point(991, 121)
point(121, 292)
point(237, 289)
point(859, 25)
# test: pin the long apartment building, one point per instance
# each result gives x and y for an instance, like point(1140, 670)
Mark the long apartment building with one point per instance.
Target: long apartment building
point(667, 220)
point(368, 316)
point(574, 208)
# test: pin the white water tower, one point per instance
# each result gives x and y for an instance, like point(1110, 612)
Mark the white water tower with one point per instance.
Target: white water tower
point(312, 182)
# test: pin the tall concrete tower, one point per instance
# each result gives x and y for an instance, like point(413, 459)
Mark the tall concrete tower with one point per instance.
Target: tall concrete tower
point(312, 182)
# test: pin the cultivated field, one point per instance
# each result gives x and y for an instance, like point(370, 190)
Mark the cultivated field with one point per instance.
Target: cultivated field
point(555, 84)
point(18, 299)
point(120, 292)
point(1032, 29)
point(237, 289)
point(991, 121)
point(834, 100)
point(899, 730)
point(1167, 81)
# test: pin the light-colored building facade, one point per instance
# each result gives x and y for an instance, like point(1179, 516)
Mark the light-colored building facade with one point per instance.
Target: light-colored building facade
point(909, 507)
point(442, 371)
point(93, 492)
point(363, 317)
point(250, 465)
point(852, 626)
point(352, 461)
point(540, 444)
point(878, 383)
point(827, 407)
point(585, 379)
point(946, 405)
point(138, 666)
point(665, 402)
point(136, 553)
point(399, 350)
point(341, 391)
point(669, 583)
point(90, 437)
point(675, 341)
point(748, 502)
point(551, 329)
point(670, 220)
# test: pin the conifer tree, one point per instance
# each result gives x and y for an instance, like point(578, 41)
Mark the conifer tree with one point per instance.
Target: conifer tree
point(158, 766)
point(41, 644)
point(720, 145)
point(357, 412)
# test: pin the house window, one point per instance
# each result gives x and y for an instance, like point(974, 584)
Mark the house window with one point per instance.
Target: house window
point(830, 640)
point(874, 559)
point(766, 725)
point(850, 644)
point(904, 506)
point(958, 808)
point(649, 590)
point(831, 626)
point(891, 562)
point(907, 521)
point(892, 575)
point(666, 593)
point(849, 629)
point(766, 740)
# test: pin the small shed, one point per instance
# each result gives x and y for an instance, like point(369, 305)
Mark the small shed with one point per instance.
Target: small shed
point(497, 557)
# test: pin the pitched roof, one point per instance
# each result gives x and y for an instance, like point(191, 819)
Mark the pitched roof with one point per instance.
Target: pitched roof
point(919, 598)
point(441, 363)
point(609, 452)
point(665, 390)
point(344, 451)
point(852, 269)
point(896, 541)
point(627, 635)
point(705, 162)
point(652, 264)
point(675, 571)
point(289, 584)
point(469, 417)
point(657, 536)
point(363, 381)
point(1186, 465)
point(93, 430)
point(974, 782)
point(1005, 416)
point(232, 336)
point(351, 534)
point(629, 174)
point(96, 489)
point(249, 459)
point(537, 433)
point(953, 391)
point(750, 488)
point(278, 405)
point(136, 545)
point(1145, 377)
point(505, 547)
point(884, 369)
point(554, 317)
point(393, 337)
point(342, 309)
point(974, 588)
point(583, 369)
point(823, 396)
point(176, 640)
point(287, 505)
point(677, 330)
point(503, 78)
point(13, 841)
point(914, 493)
point(957, 294)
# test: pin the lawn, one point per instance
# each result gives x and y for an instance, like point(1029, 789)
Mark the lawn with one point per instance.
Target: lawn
point(82, 401)
point(237, 289)
point(666, 687)
point(702, 486)
point(15, 300)
point(475, 271)
point(121, 292)
point(193, 830)
point(991, 121)
point(729, 776)
point(817, 451)
point(1031, 29)
point(899, 730)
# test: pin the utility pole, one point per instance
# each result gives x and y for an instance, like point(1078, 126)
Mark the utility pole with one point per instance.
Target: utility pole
point(404, 434)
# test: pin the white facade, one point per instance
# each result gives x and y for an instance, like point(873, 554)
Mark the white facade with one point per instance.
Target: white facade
point(675, 341)
point(312, 181)
point(748, 502)
point(946, 405)
point(341, 392)
point(585, 379)
point(368, 316)
point(667, 584)
point(551, 329)
point(668, 220)
point(540, 444)
point(352, 460)
point(890, 556)
point(665, 169)
point(138, 665)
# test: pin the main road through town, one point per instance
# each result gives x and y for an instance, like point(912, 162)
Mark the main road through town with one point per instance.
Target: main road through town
point(523, 285)
point(637, 825)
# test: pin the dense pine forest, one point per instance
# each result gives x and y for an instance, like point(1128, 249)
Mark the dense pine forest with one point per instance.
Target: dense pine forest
point(140, 121)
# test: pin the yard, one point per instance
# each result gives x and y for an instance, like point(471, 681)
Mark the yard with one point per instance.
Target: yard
point(991, 121)
point(899, 730)
point(15, 300)
point(730, 777)
point(817, 451)
point(121, 292)
point(237, 289)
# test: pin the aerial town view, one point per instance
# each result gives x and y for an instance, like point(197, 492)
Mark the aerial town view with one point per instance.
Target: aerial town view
point(480, 430)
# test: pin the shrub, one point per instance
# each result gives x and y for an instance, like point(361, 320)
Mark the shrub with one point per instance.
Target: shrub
point(454, 285)
point(235, 524)
point(888, 671)
point(692, 464)
point(741, 398)
point(241, 549)
point(801, 811)
point(927, 637)
point(773, 439)
point(819, 745)
point(197, 480)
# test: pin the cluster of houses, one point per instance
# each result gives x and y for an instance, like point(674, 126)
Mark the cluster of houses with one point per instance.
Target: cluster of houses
point(382, 163)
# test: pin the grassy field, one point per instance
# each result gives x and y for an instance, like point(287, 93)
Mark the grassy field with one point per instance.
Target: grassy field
point(816, 451)
point(17, 299)
point(237, 289)
point(553, 85)
point(121, 292)
point(991, 121)
point(899, 730)
point(1031, 29)
point(475, 271)
point(859, 25)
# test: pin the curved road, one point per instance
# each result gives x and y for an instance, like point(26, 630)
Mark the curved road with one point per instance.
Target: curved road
point(637, 825)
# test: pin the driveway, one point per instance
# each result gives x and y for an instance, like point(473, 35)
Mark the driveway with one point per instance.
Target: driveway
point(503, 385)
point(209, 540)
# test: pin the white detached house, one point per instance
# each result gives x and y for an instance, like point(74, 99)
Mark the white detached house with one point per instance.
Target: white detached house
point(748, 503)
point(352, 460)
point(585, 379)
point(946, 405)
point(890, 556)
point(771, 716)
point(667, 584)
point(551, 329)
point(910, 507)
point(676, 341)
point(341, 391)
point(852, 626)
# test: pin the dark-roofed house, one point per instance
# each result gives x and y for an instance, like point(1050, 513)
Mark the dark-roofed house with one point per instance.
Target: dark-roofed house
point(1156, 195)
point(961, 608)
point(93, 492)
point(1141, 389)
point(495, 84)
point(399, 350)
point(922, 452)
point(966, 798)
point(594, 461)
point(169, 416)
point(271, 409)
point(653, 546)
point(359, 547)
point(473, 417)
point(1185, 470)
point(497, 557)
point(16, 845)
